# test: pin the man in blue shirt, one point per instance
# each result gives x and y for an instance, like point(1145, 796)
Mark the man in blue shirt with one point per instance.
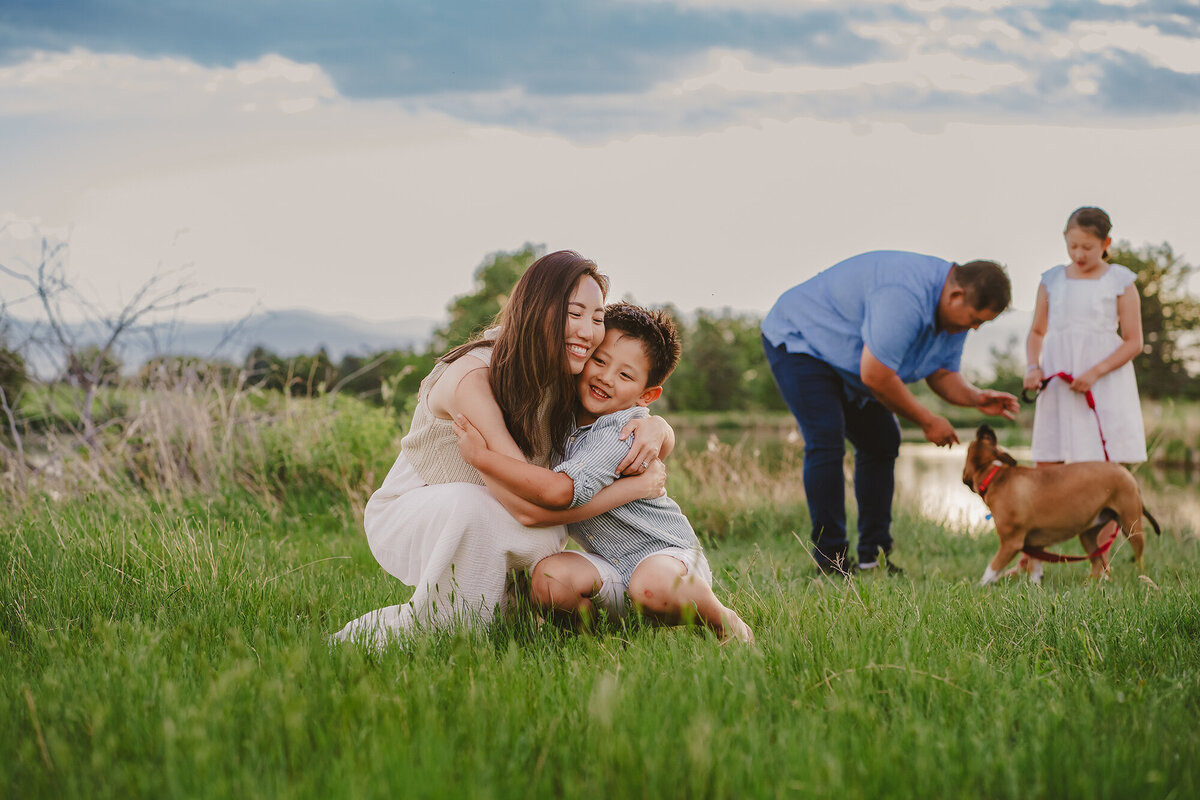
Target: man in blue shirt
point(843, 344)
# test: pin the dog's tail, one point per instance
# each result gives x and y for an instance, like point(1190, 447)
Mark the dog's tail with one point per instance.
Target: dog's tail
point(1153, 521)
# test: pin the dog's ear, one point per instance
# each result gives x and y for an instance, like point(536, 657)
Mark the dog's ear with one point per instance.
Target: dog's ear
point(1005, 458)
point(984, 433)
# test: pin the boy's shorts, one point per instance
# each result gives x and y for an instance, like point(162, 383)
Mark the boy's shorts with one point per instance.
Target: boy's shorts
point(613, 595)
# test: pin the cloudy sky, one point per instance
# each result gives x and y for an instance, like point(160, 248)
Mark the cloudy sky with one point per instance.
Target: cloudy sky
point(364, 156)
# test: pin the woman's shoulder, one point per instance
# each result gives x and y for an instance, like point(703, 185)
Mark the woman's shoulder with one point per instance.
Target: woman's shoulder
point(447, 378)
point(470, 361)
point(482, 353)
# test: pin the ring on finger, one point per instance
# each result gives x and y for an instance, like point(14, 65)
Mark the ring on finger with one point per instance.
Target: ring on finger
point(645, 464)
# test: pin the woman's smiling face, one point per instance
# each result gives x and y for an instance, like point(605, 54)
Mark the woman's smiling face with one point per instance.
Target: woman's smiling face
point(585, 322)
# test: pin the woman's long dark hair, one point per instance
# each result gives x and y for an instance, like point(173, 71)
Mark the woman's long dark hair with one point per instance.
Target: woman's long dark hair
point(529, 359)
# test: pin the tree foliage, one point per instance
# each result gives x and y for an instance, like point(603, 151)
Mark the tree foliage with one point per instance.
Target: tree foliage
point(1170, 319)
point(723, 366)
point(495, 278)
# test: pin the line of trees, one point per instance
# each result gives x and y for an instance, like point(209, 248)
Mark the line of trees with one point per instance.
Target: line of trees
point(722, 367)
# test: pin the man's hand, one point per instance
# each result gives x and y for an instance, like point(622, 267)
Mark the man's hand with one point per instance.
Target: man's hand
point(939, 431)
point(998, 404)
point(471, 444)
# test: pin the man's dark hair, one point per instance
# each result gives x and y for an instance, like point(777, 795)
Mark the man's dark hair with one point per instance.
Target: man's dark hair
point(986, 285)
point(656, 331)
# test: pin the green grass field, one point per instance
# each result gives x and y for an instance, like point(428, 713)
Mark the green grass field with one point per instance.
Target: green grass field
point(173, 644)
point(183, 654)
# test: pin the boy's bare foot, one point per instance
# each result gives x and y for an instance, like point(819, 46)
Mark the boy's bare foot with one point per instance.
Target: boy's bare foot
point(735, 629)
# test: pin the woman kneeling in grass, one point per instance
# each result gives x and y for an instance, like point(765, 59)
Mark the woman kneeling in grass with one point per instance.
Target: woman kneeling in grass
point(432, 523)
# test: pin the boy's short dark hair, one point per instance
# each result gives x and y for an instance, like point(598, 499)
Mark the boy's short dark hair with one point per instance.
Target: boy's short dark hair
point(655, 329)
point(986, 285)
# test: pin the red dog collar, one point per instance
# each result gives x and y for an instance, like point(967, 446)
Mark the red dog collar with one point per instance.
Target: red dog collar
point(987, 479)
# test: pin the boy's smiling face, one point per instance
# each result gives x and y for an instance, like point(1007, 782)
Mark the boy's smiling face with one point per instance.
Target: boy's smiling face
point(614, 378)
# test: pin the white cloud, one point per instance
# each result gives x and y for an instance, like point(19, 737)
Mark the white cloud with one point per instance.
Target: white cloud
point(84, 84)
point(1085, 78)
point(1172, 52)
point(808, 5)
point(369, 208)
point(941, 71)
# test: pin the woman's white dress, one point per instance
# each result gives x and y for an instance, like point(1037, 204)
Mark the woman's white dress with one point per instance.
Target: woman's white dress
point(453, 542)
point(1082, 331)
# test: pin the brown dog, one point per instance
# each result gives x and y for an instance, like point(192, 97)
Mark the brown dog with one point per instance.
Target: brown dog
point(1042, 506)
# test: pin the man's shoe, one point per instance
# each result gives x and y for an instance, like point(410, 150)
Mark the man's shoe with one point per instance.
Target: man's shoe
point(836, 567)
point(892, 569)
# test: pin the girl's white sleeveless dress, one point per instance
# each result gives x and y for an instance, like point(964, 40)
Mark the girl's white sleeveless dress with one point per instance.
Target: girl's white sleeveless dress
point(1082, 331)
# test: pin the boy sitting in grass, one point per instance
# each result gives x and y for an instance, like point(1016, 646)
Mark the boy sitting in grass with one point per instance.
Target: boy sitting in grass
point(645, 549)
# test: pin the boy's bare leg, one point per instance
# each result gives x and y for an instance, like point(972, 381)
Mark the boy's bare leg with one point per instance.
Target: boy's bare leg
point(565, 583)
point(662, 586)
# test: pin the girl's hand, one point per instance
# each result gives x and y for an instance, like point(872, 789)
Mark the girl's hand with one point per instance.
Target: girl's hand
point(653, 480)
point(998, 404)
point(1033, 379)
point(1084, 383)
point(471, 444)
point(648, 437)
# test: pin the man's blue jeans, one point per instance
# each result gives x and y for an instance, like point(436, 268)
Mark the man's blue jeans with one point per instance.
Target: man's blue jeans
point(815, 393)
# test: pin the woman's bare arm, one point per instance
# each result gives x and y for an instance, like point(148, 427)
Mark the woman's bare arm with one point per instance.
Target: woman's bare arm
point(538, 485)
point(651, 483)
point(464, 389)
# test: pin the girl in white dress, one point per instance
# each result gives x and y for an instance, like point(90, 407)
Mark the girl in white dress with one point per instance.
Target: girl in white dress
point(433, 524)
point(1088, 324)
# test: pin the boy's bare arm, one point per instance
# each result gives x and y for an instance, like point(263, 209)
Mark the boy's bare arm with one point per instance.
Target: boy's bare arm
point(537, 485)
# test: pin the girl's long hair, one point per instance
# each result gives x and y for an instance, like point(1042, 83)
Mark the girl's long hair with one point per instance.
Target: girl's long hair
point(529, 360)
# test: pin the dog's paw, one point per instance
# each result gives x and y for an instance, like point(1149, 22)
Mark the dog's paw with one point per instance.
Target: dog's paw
point(989, 576)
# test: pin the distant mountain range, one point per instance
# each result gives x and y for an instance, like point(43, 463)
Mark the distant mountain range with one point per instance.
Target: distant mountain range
point(297, 331)
point(287, 333)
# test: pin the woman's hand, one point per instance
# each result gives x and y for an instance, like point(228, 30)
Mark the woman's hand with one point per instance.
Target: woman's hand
point(471, 444)
point(649, 435)
point(653, 479)
point(1033, 379)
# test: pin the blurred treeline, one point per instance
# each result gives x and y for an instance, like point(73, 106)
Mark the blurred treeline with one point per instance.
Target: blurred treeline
point(722, 367)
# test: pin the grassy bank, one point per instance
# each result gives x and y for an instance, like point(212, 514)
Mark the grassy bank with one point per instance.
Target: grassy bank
point(173, 644)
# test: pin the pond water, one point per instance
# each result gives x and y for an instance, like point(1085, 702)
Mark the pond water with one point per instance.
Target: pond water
point(929, 478)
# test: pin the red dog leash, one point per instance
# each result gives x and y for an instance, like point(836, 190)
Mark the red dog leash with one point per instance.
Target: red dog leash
point(1039, 553)
point(1091, 401)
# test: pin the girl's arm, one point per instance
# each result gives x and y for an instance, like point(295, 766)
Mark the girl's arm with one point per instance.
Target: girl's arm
point(650, 484)
point(653, 438)
point(1033, 342)
point(1129, 318)
point(538, 485)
